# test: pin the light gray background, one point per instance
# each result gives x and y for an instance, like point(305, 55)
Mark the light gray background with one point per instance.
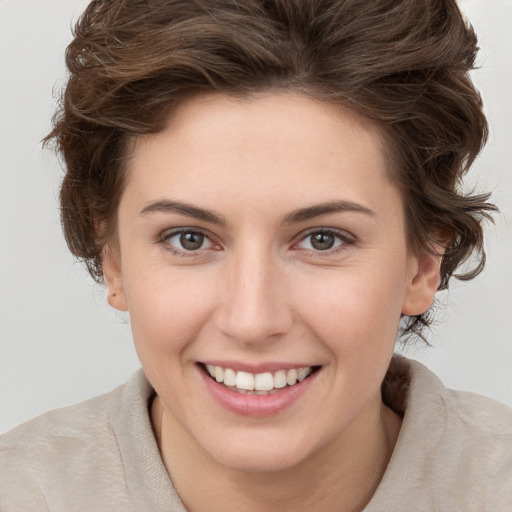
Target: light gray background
point(59, 341)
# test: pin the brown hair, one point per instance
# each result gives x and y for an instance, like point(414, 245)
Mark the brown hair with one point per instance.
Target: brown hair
point(403, 64)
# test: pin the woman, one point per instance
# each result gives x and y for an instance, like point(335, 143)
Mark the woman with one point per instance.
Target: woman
point(270, 189)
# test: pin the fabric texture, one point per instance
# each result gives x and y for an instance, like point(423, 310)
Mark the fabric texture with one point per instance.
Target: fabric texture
point(454, 452)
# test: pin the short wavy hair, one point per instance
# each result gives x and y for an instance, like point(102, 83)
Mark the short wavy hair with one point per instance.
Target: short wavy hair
point(401, 64)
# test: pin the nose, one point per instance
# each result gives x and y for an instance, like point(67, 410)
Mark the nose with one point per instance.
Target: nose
point(254, 307)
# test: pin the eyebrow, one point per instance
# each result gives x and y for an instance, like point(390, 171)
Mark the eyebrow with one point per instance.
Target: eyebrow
point(310, 212)
point(318, 210)
point(167, 206)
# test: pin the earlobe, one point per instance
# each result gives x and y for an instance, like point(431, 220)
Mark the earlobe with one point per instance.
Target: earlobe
point(423, 282)
point(113, 277)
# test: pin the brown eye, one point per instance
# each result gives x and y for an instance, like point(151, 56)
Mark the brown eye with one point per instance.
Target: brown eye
point(191, 241)
point(187, 241)
point(322, 241)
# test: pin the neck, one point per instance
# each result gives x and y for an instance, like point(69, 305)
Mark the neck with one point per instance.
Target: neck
point(343, 476)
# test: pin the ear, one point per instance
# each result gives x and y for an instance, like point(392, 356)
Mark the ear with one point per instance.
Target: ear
point(422, 283)
point(113, 277)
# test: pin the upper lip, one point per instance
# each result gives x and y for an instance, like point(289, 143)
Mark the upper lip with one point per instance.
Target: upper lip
point(258, 367)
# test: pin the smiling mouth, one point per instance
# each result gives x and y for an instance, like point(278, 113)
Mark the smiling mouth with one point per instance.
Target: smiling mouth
point(266, 383)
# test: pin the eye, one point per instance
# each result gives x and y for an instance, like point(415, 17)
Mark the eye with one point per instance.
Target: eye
point(322, 240)
point(187, 241)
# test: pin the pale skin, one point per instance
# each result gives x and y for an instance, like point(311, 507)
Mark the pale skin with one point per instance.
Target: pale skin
point(260, 180)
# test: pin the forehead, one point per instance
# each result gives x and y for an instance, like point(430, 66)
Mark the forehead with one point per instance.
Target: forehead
point(277, 149)
point(260, 117)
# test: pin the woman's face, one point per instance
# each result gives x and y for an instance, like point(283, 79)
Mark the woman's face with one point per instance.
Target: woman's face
point(264, 236)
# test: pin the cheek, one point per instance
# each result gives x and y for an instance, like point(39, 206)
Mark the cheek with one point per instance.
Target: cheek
point(167, 312)
point(356, 318)
point(354, 310)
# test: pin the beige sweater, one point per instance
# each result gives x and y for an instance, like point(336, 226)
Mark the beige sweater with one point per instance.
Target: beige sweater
point(454, 453)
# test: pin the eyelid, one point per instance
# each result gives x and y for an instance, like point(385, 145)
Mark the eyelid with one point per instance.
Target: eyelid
point(167, 234)
point(346, 238)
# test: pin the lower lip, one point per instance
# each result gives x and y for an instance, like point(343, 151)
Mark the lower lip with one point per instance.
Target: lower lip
point(256, 406)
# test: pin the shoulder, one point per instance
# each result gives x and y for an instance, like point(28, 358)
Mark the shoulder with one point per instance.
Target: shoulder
point(68, 423)
point(418, 394)
point(454, 448)
point(477, 447)
point(478, 417)
point(474, 450)
point(73, 444)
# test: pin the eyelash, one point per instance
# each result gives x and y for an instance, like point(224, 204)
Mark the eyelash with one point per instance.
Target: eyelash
point(183, 253)
point(344, 239)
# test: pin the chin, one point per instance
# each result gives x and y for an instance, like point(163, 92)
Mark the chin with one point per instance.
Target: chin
point(255, 461)
point(259, 455)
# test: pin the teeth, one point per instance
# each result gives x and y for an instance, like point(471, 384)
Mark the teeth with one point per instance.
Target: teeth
point(261, 383)
point(264, 382)
point(303, 373)
point(244, 380)
point(219, 374)
point(229, 377)
point(291, 377)
point(280, 379)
